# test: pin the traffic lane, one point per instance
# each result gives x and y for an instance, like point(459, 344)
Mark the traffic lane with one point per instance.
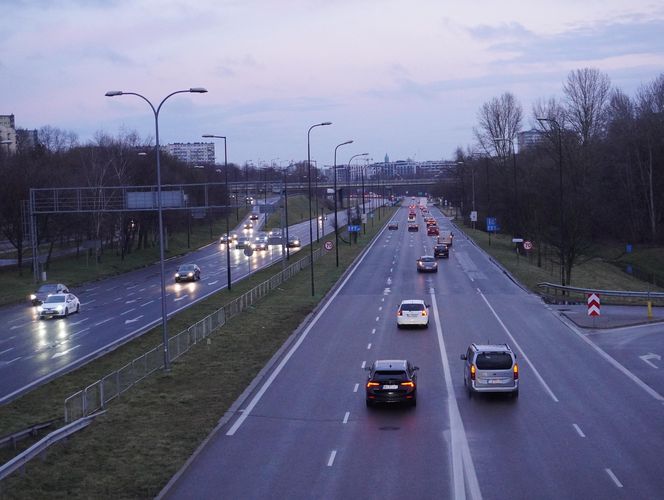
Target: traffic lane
point(639, 349)
point(586, 385)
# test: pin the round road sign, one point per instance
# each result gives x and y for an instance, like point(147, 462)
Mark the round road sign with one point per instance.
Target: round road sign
point(527, 245)
point(248, 251)
point(329, 245)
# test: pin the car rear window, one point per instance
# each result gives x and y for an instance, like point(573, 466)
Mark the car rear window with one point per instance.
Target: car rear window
point(385, 375)
point(493, 361)
point(412, 307)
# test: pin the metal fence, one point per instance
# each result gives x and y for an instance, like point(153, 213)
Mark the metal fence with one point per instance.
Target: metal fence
point(558, 293)
point(98, 394)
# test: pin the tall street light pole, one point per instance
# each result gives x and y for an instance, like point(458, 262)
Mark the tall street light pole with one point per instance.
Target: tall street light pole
point(336, 217)
point(560, 196)
point(164, 318)
point(516, 196)
point(311, 229)
point(363, 209)
point(228, 198)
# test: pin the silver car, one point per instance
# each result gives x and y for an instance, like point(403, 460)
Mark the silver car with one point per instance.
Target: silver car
point(427, 264)
point(490, 368)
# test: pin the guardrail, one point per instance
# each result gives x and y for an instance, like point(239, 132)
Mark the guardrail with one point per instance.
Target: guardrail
point(12, 439)
point(40, 447)
point(570, 293)
point(98, 394)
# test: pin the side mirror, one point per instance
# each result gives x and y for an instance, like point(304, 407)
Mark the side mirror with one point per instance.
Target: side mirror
point(415, 368)
point(367, 368)
point(463, 356)
point(427, 305)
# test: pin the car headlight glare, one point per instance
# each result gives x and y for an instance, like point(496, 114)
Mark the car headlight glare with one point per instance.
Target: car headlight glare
point(33, 297)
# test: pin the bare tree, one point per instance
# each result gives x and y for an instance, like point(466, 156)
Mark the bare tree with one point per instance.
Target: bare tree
point(500, 118)
point(56, 140)
point(587, 93)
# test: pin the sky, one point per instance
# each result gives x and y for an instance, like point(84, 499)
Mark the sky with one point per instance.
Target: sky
point(403, 79)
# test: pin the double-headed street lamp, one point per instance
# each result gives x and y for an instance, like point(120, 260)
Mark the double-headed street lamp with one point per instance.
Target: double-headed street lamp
point(155, 111)
point(228, 198)
point(311, 229)
point(336, 219)
point(560, 194)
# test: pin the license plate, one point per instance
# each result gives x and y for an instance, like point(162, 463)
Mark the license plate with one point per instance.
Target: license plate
point(390, 387)
point(495, 381)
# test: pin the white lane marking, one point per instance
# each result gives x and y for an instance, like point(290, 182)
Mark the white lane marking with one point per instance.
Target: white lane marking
point(377, 318)
point(213, 282)
point(656, 395)
point(462, 461)
point(578, 430)
point(63, 353)
point(357, 386)
point(346, 417)
point(369, 346)
point(471, 279)
point(18, 326)
point(614, 478)
point(382, 299)
point(78, 322)
point(391, 269)
point(149, 302)
point(130, 301)
point(79, 332)
point(364, 364)
point(380, 308)
point(88, 302)
point(116, 299)
point(127, 311)
point(133, 320)
point(247, 411)
point(105, 321)
point(6, 350)
point(516, 344)
point(647, 357)
point(91, 288)
point(180, 298)
point(373, 331)
point(331, 459)
point(5, 363)
point(141, 289)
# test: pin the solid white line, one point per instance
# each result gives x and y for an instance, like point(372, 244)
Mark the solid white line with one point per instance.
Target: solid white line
point(346, 417)
point(180, 298)
point(614, 478)
point(615, 363)
point(579, 431)
point(357, 386)
point(369, 346)
point(364, 364)
point(462, 461)
point(331, 459)
point(105, 321)
point(295, 347)
point(525, 357)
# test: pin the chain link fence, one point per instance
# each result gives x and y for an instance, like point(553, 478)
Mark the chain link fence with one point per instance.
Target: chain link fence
point(98, 394)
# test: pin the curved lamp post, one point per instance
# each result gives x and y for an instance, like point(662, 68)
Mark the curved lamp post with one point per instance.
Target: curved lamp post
point(363, 209)
point(228, 198)
point(155, 111)
point(311, 229)
point(336, 217)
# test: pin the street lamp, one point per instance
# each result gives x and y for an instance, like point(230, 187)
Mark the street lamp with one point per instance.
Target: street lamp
point(311, 230)
point(336, 218)
point(364, 211)
point(194, 90)
point(516, 197)
point(560, 194)
point(228, 198)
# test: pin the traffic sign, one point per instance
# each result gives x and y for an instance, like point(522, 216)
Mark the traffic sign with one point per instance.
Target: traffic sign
point(329, 245)
point(492, 224)
point(517, 240)
point(354, 228)
point(593, 304)
point(473, 216)
point(527, 245)
point(248, 251)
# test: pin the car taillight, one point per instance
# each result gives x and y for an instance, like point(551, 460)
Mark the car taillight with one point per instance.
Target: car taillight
point(515, 370)
point(408, 384)
point(372, 384)
point(424, 312)
point(399, 313)
point(472, 372)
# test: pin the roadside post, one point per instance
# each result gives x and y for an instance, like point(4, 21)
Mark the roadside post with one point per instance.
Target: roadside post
point(593, 306)
point(516, 242)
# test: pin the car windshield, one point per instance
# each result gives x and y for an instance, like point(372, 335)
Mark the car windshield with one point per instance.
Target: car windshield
point(412, 307)
point(48, 288)
point(385, 375)
point(55, 299)
point(427, 259)
point(493, 361)
point(186, 268)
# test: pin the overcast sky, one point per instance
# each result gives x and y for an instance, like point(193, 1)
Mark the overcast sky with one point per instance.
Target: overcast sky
point(403, 78)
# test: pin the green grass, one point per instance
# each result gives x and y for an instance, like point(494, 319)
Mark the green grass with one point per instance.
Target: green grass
point(144, 438)
point(75, 270)
point(298, 211)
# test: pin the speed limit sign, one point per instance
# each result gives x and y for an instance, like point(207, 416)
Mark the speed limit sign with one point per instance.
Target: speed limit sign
point(527, 245)
point(329, 245)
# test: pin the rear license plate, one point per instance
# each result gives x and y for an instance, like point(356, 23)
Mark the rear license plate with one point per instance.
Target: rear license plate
point(495, 381)
point(390, 387)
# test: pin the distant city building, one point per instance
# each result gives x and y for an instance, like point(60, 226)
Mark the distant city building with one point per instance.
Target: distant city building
point(26, 139)
point(529, 138)
point(404, 169)
point(7, 134)
point(193, 153)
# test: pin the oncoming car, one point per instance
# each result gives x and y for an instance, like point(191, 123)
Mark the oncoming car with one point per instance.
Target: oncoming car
point(294, 242)
point(490, 368)
point(392, 381)
point(187, 272)
point(413, 312)
point(427, 264)
point(45, 290)
point(60, 305)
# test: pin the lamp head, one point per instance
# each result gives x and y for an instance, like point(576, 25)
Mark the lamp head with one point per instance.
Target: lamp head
point(198, 90)
point(113, 93)
point(326, 123)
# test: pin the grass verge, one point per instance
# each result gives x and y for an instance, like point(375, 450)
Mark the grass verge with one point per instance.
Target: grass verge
point(134, 449)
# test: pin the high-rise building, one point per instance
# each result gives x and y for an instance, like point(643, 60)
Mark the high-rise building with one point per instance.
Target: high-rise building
point(7, 134)
point(192, 153)
point(529, 138)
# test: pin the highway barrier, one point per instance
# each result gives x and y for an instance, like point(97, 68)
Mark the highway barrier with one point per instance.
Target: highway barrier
point(559, 293)
point(97, 395)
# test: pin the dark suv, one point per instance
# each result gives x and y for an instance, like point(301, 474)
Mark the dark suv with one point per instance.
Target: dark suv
point(392, 381)
point(490, 368)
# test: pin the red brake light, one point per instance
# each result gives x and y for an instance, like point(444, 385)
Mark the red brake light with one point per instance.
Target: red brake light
point(408, 384)
point(372, 384)
point(472, 372)
point(399, 313)
point(515, 369)
point(424, 312)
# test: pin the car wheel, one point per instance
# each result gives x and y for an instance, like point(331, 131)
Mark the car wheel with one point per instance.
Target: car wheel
point(66, 312)
point(515, 394)
point(369, 404)
point(78, 308)
point(426, 325)
point(41, 318)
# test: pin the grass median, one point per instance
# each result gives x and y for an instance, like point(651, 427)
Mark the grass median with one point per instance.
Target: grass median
point(145, 437)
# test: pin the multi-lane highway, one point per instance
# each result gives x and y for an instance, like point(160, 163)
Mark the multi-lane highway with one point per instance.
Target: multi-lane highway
point(584, 426)
point(117, 309)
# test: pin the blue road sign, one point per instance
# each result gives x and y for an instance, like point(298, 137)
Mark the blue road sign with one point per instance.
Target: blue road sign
point(353, 229)
point(492, 224)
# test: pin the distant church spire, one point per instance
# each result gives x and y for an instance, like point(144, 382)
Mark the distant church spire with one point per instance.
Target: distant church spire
point(387, 158)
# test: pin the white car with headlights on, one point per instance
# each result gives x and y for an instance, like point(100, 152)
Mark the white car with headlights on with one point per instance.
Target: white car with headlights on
point(59, 305)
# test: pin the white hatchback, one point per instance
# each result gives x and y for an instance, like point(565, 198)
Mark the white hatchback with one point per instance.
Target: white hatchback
point(413, 313)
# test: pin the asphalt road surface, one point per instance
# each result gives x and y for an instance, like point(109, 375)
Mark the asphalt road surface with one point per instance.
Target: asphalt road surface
point(584, 425)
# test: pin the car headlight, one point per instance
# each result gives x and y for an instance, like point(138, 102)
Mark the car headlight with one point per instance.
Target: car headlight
point(177, 275)
point(40, 309)
point(33, 297)
point(190, 274)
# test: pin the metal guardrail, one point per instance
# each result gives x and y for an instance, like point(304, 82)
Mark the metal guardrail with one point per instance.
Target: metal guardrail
point(603, 293)
point(98, 394)
point(40, 447)
point(12, 439)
